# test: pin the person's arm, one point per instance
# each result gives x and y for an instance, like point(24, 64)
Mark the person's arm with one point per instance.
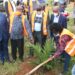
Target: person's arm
point(6, 8)
point(28, 28)
point(7, 25)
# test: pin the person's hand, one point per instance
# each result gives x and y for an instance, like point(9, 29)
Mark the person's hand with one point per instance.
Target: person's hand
point(51, 57)
point(48, 37)
point(32, 40)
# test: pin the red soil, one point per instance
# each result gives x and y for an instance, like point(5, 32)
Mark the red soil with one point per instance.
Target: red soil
point(26, 66)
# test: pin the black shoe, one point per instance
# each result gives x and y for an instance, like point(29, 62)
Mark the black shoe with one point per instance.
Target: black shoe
point(22, 60)
point(2, 62)
point(13, 61)
point(8, 60)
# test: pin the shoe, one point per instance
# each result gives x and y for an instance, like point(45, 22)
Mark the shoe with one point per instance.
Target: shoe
point(9, 61)
point(13, 61)
point(60, 74)
point(2, 62)
point(22, 60)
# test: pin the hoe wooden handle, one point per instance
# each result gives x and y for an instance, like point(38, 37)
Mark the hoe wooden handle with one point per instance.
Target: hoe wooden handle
point(37, 67)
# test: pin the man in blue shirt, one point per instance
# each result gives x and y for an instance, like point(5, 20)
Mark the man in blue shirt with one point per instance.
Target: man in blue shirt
point(4, 36)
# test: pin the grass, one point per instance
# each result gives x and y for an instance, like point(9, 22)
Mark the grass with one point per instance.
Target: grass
point(9, 69)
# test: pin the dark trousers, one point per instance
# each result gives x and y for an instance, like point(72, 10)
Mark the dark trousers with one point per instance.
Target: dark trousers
point(66, 61)
point(17, 44)
point(56, 38)
point(43, 40)
point(51, 34)
point(4, 55)
point(38, 38)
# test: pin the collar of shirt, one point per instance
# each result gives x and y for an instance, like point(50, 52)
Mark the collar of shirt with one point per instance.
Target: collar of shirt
point(56, 19)
point(56, 15)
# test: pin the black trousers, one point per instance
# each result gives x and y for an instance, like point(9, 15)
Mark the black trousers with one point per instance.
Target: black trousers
point(17, 44)
point(4, 55)
point(38, 38)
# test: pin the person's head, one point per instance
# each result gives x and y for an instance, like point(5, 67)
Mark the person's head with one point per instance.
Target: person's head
point(62, 6)
point(56, 10)
point(43, 8)
point(55, 3)
point(19, 8)
point(56, 28)
point(18, 3)
point(39, 10)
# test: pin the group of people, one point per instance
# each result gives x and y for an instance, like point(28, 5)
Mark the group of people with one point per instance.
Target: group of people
point(38, 25)
point(18, 22)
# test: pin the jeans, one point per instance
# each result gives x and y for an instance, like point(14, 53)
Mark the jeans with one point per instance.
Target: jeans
point(66, 61)
point(17, 44)
point(37, 39)
point(4, 55)
point(73, 70)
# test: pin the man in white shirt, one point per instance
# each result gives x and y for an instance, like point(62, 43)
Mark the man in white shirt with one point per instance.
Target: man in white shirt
point(38, 26)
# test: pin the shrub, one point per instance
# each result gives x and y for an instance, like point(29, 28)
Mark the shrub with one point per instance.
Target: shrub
point(43, 54)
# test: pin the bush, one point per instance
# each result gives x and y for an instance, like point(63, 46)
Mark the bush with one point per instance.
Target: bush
point(43, 54)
